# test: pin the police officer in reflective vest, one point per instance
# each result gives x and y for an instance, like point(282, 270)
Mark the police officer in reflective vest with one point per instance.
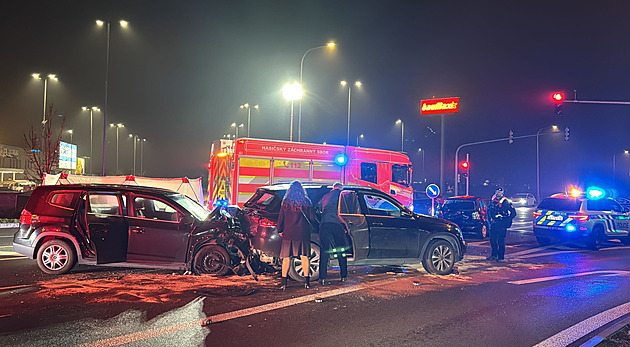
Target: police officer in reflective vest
point(500, 212)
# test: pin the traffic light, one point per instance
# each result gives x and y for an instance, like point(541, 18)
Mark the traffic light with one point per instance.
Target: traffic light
point(566, 134)
point(464, 166)
point(511, 137)
point(558, 98)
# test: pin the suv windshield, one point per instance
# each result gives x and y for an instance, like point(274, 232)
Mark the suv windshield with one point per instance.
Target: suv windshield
point(459, 205)
point(560, 204)
point(191, 206)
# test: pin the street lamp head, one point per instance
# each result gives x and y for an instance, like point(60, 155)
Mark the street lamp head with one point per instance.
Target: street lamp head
point(241, 125)
point(52, 76)
point(36, 76)
point(99, 22)
point(626, 151)
point(357, 83)
point(111, 125)
point(361, 136)
point(554, 127)
point(69, 131)
point(246, 105)
point(398, 121)
point(120, 125)
point(419, 149)
point(331, 44)
point(256, 106)
point(124, 23)
point(84, 108)
point(233, 124)
point(130, 135)
point(292, 91)
point(343, 83)
point(95, 108)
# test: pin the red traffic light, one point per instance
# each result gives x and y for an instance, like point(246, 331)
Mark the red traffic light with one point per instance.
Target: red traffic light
point(558, 97)
point(464, 165)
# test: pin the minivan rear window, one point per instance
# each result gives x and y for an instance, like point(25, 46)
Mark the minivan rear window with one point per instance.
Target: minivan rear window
point(560, 204)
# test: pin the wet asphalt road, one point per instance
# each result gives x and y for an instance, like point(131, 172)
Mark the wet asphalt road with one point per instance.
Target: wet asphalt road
point(379, 306)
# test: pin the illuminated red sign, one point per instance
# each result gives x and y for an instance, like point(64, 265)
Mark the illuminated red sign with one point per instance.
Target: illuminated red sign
point(439, 106)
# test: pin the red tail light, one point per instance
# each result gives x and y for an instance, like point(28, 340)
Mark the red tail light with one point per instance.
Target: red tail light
point(266, 223)
point(26, 217)
point(537, 214)
point(580, 217)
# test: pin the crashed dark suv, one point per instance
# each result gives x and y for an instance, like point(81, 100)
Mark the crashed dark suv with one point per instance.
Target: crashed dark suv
point(379, 230)
point(126, 226)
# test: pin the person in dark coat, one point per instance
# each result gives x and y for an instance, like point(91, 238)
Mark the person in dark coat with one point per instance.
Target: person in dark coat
point(501, 212)
point(295, 230)
point(331, 235)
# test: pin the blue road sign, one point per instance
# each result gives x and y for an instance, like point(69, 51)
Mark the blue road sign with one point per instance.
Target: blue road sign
point(433, 191)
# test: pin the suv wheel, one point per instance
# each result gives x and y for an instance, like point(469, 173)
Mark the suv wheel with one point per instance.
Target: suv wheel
point(211, 260)
point(594, 240)
point(439, 258)
point(56, 257)
point(296, 271)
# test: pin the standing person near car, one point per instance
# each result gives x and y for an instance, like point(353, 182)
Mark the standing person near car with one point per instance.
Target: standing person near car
point(501, 213)
point(331, 235)
point(294, 225)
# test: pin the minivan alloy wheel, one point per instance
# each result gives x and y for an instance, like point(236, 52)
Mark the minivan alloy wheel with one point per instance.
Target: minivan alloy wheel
point(55, 257)
point(442, 257)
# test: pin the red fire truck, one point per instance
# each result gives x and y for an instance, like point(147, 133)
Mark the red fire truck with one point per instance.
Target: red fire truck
point(238, 167)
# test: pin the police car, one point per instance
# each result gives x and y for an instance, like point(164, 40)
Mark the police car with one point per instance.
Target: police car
point(590, 217)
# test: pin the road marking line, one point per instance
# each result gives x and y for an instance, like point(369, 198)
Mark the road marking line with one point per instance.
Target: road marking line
point(585, 327)
point(9, 253)
point(142, 335)
point(551, 278)
point(529, 251)
point(14, 258)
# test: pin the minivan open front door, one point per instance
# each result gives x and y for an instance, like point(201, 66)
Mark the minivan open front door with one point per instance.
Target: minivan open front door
point(107, 227)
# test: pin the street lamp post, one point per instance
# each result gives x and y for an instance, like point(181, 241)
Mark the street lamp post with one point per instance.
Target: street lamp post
point(554, 128)
point(117, 126)
point(52, 77)
point(291, 92)
point(142, 155)
point(402, 140)
point(249, 116)
point(421, 151)
point(236, 127)
point(626, 152)
point(359, 137)
point(135, 138)
point(92, 109)
point(123, 24)
point(357, 84)
point(329, 45)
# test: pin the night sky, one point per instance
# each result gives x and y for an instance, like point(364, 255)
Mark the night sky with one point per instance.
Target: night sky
point(181, 69)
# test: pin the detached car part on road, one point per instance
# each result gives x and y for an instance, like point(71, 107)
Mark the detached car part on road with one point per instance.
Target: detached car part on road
point(564, 218)
point(379, 230)
point(127, 226)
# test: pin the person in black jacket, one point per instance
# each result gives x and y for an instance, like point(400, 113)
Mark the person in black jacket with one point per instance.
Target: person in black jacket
point(501, 212)
point(331, 235)
point(294, 225)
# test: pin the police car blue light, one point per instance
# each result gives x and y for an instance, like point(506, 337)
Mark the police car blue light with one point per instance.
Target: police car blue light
point(570, 227)
point(595, 193)
point(341, 159)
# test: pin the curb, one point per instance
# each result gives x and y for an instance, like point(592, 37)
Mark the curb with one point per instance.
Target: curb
point(9, 225)
point(608, 332)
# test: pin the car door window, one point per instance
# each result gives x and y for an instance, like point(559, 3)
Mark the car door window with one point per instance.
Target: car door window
point(103, 203)
point(150, 208)
point(349, 203)
point(380, 206)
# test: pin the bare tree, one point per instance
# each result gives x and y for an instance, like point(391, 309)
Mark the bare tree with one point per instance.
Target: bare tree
point(42, 148)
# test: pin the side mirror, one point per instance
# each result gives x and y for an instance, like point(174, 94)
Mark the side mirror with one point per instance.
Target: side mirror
point(187, 219)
